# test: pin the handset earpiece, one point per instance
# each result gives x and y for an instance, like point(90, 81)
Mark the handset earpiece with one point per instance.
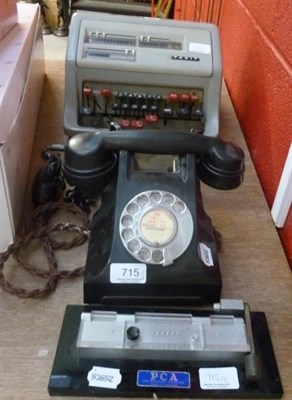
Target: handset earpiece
point(90, 159)
point(222, 167)
point(87, 165)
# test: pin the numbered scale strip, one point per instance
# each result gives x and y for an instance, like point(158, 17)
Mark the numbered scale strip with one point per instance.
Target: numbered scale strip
point(176, 353)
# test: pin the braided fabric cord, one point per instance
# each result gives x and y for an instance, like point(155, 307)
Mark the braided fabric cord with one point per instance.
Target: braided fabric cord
point(38, 227)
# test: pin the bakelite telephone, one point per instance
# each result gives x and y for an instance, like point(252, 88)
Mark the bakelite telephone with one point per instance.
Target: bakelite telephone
point(151, 241)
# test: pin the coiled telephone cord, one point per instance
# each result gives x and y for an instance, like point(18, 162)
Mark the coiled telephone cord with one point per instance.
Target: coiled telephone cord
point(38, 227)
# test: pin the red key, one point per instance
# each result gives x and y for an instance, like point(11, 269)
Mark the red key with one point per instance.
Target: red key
point(172, 97)
point(184, 97)
point(137, 123)
point(125, 123)
point(151, 118)
point(106, 92)
point(194, 98)
point(87, 91)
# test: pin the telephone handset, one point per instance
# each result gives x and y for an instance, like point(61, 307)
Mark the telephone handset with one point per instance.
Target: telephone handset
point(151, 241)
point(90, 157)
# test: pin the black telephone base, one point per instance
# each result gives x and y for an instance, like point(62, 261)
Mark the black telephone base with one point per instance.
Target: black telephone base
point(187, 280)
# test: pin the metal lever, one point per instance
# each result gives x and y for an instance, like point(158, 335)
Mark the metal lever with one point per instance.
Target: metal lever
point(251, 360)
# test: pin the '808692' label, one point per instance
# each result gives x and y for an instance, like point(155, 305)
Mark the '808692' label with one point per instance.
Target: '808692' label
point(104, 377)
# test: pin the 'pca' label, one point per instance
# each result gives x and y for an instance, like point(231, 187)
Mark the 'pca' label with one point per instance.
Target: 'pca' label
point(167, 379)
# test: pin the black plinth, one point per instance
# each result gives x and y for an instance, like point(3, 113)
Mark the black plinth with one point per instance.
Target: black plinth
point(69, 374)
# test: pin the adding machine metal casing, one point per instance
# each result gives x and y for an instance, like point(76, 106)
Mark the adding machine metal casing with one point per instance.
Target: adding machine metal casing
point(141, 73)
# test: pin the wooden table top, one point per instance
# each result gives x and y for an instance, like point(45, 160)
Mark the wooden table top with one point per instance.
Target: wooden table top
point(253, 264)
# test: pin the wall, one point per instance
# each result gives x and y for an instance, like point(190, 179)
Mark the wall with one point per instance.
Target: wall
point(257, 66)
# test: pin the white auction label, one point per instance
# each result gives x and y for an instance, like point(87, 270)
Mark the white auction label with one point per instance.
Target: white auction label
point(128, 273)
point(206, 255)
point(218, 378)
point(200, 48)
point(108, 378)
